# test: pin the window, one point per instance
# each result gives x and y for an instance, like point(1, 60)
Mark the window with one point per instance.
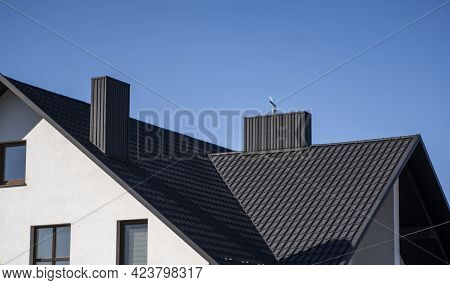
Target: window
point(132, 242)
point(12, 164)
point(51, 245)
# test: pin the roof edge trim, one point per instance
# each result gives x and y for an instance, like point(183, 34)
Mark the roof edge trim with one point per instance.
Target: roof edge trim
point(311, 146)
point(388, 186)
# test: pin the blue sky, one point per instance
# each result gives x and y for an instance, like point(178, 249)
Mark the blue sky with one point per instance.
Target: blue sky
point(234, 54)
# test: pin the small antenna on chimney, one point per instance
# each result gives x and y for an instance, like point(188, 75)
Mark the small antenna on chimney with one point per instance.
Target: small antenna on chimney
point(274, 107)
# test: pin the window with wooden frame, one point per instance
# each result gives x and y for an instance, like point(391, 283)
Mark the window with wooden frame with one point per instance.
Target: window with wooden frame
point(132, 242)
point(50, 245)
point(12, 163)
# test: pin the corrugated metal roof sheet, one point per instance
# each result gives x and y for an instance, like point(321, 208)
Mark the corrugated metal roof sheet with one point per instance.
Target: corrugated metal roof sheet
point(298, 206)
point(184, 188)
point(309, 204)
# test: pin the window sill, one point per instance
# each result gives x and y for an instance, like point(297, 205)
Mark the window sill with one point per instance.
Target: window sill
point(13, 184)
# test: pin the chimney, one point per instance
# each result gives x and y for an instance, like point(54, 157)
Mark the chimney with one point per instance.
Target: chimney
point(277, 131)
point(110, 108)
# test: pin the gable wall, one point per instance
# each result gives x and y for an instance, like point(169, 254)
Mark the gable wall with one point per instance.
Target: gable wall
point(380, 246)
point(64, 186)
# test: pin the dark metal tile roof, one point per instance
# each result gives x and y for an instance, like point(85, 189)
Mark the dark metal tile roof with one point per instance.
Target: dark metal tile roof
point(309, 204)
point(184, 188)
point(301, 206)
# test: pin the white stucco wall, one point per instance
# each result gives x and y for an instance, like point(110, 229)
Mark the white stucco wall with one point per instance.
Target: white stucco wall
point(380, 244)
point(64, 186)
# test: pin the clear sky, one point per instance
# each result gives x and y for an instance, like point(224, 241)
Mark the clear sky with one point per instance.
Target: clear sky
point(235, 54)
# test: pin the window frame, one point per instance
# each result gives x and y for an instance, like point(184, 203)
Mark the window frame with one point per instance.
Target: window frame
point(120, 246)
point(16, 182)
point(33, 246)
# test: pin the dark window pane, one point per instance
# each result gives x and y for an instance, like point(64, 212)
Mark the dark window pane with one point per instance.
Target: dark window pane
point(14, 163)
point(44, 241)
point(52, 245)
point(62, 241)
point(43, 263)
point(135, 244)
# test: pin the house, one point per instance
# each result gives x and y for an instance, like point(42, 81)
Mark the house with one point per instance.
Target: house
point(85, 184)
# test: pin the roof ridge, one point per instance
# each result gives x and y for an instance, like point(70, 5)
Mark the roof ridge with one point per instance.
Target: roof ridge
point(318, 145)
point(130, 118)
point(179, 133)
point(216, 145)
point(46, 90)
